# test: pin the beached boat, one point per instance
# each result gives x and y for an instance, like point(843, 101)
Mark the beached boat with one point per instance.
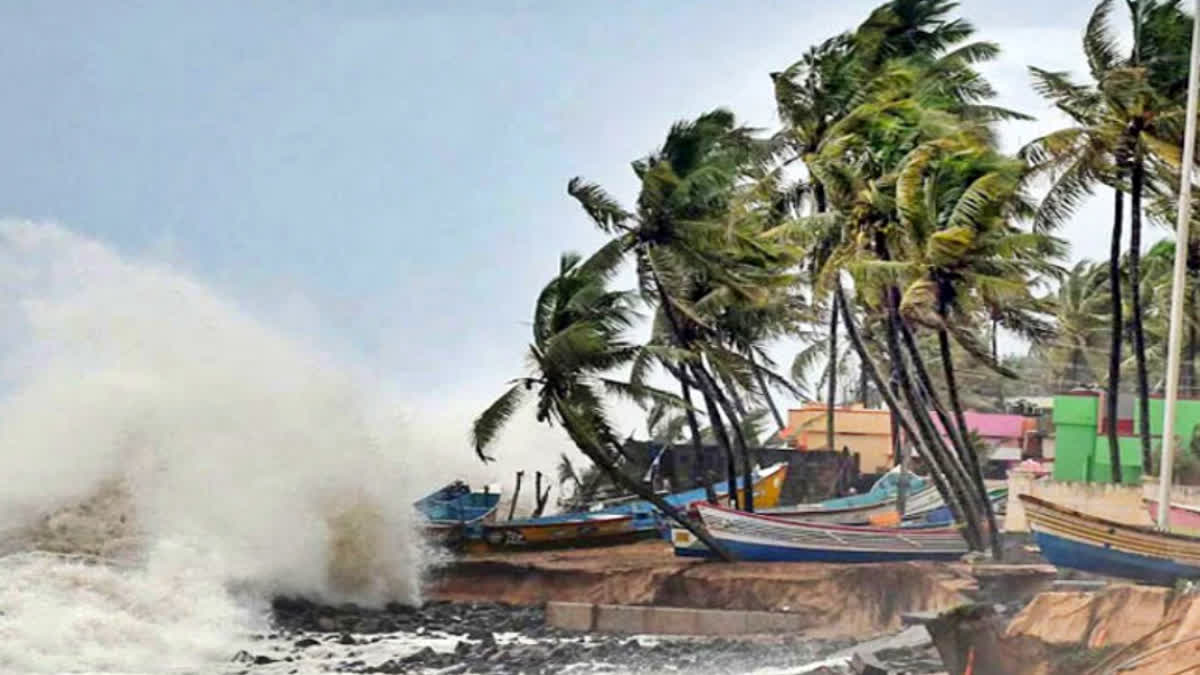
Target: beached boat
point(879, 501)
point(1181, 516)
point(612, 523)
point(754, 537)
point(450, 511)
point(1068, 538)
point(574, 530)
point(940, 514)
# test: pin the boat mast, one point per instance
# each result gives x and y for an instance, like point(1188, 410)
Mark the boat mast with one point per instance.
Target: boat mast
point(1175, 342)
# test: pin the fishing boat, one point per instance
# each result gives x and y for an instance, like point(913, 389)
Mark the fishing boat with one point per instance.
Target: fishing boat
point(1180, 516)
point(940, 513)
point(574, 530)
point(880, 500)
point(451, 510)
point(611, 524)
point(1068, 538)
point(755, 537)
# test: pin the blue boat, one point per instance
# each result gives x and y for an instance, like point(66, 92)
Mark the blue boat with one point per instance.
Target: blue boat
point(759, 538)
point(452, 510)
point(1080, 541)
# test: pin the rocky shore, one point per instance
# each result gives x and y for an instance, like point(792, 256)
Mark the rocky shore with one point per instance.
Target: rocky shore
point(493, 638)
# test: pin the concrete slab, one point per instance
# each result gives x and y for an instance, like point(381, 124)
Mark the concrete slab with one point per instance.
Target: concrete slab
point(573, 616)
point(716, 622)
point(621, 619)
point(672, 621)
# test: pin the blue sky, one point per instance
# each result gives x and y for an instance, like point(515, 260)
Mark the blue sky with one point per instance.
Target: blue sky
point(388, 178)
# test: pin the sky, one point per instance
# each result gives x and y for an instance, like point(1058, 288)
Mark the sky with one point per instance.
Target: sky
point(387, 179)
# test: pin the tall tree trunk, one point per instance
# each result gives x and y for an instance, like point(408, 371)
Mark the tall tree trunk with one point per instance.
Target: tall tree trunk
point(512, 506)
point(1003, 405)
point(831, 402)
point(739, 440)
point(541, 497)
point(864, 389)
point(906, 424)
point(601, 458)
point(901, 455)
point(709, 402)
point(700, 466)
point(1118, 329)
point(1191, 367)
point(766, 394)
point(949, 464)
point(957, 439)
point(722, 436)
point(1138, 175)
point(970, 455)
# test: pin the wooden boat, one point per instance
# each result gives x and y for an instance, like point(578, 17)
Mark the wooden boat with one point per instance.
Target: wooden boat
point(601, 529)
point(940, 514)
point(451, 511)
point(851, 515)
point(1068, 538)
point(610, 524)
point(753, 537)
point(1181, 516)
point(882, 493)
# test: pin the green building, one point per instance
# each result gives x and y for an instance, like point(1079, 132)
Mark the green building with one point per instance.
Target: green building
point(1081, 452)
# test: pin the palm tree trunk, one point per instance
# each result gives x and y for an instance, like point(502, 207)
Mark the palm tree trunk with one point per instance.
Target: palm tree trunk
point(946, 461)
point(901, 455)
point(833, 357)
point(766, 394)
point(1114, 349)
point(601, 458)
point(512, 506)
point(1191, 368)
point(905, 423)
point(957, 439)
point(722, 436)
point(971, 456)
point(739, 439)
point(700, 466)
point(1135, 277)
point(709, 402)
point(996, 360)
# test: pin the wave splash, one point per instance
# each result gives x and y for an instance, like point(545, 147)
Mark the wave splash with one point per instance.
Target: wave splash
point(167, 456)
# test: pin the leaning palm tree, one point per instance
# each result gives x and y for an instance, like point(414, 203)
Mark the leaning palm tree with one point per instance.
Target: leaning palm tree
point(1123, 122)
point(578, 338)
point(1079, 306)
point(695, 257)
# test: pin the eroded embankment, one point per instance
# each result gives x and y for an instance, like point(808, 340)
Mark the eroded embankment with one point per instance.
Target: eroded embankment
point(1129, 629)
point(837, 600)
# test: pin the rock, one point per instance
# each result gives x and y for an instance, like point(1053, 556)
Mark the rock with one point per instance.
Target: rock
point(306, 642)
point(347, 639)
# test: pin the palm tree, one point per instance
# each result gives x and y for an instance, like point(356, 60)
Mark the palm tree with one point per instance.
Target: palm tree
point(1123, 120)
point(695, 258)
point(1080, 327)
point(578, 330)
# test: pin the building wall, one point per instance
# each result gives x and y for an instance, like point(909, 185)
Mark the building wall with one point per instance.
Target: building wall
point(865, 432)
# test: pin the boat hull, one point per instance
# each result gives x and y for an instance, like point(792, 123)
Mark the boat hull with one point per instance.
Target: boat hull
point(596, 531)
point(1063, 552)
point(759, 538)
point(1075, 540)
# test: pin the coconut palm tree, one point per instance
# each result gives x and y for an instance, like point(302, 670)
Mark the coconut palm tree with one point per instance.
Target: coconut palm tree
point(578, 339)
point(1123, 120)
point(695, 257)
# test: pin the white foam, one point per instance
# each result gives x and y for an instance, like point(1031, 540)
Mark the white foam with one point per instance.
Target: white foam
point(138, 405)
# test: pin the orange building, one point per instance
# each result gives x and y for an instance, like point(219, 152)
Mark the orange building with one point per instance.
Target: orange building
point(866, 432)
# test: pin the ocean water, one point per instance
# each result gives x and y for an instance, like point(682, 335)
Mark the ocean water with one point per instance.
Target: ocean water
point(169, 462)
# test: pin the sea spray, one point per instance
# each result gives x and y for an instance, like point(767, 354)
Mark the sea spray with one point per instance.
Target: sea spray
point(144, 420)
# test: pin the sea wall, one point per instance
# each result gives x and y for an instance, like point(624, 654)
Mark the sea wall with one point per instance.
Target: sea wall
point(1122, 503)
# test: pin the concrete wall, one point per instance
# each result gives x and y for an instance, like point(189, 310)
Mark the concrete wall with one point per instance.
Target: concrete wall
point(638, 620)
point(1122, 503)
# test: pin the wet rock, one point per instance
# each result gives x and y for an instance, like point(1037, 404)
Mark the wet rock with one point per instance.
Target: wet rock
point(347, 639)
point(306, 642)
